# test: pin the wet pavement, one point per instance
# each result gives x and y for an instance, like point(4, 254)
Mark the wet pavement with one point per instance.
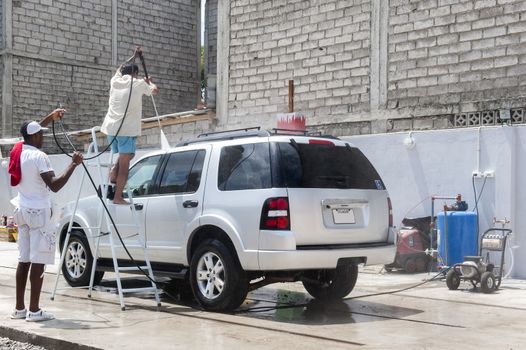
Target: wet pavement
point(426, 317)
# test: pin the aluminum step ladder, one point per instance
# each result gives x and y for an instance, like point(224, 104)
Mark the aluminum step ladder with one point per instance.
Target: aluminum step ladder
point(110, 232)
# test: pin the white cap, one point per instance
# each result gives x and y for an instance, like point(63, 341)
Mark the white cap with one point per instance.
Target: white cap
point(34, 127)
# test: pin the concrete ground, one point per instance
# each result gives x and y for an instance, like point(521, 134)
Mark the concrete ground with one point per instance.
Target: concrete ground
point(283, 315)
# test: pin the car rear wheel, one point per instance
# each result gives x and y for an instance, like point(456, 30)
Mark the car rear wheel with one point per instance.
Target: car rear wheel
point(331, 284)
point(78, 261)
point(217, 279)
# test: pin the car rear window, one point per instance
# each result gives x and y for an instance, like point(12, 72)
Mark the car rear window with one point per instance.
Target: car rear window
point(324, 166)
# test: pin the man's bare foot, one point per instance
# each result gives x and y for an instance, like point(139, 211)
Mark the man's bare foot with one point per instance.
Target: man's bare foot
point(120, 201)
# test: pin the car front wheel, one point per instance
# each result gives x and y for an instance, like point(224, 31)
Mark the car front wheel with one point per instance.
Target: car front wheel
point(78, 261)
point(217, 279)
point(331, 284)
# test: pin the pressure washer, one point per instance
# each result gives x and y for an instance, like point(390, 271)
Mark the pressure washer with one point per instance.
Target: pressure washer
point(480, 269)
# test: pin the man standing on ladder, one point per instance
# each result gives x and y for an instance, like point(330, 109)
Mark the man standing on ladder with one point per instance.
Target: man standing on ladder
point(36, 236)
point(123, 119)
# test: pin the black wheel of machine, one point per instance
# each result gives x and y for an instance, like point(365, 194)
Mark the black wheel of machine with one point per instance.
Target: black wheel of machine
point(78, 261)
point(421, 264)
point(452, 279)
point(410, 265)
point(331, 284)
point(217, 279)
point(487, 282)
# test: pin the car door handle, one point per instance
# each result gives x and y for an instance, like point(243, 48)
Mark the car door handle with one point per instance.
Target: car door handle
point(138, 206)
point(190, 204)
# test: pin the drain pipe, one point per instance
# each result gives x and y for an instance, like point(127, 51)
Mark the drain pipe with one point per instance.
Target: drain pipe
point(477, 169)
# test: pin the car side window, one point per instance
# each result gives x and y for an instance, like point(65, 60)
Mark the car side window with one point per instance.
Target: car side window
point(183, 172)
point(141, 176)
point(244, 167)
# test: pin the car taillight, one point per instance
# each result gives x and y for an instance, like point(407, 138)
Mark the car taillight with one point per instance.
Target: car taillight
point(390, 208)
point(275, 214)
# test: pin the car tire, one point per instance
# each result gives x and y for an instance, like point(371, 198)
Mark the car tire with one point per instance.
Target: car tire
point(452, 279)
point(217, 279)
point(78, 261)
point(331, 284)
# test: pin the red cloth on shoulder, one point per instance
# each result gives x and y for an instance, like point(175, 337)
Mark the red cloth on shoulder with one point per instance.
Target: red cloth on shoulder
point(14, 163)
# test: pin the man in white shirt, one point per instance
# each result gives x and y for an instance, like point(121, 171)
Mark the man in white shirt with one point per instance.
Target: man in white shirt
point(36, 231)
point(123, 119)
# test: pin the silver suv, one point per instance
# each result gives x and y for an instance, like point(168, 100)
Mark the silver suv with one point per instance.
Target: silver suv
point(229, 212)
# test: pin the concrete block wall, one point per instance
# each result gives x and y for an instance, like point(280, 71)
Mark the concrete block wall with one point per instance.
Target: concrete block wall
point(2, 44)
point(211, 36)
point(323, 46)
point(168, 31)
point(443, 57)
point(457, 55)
point(73, 30)
point(62, 51)
point(211, 26)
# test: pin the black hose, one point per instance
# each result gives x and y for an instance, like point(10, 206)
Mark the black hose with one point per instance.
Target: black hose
point(109, 145)
point(477, 198)
point(270, 308)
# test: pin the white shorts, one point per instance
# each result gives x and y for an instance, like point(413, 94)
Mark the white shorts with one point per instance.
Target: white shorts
point(36, 235)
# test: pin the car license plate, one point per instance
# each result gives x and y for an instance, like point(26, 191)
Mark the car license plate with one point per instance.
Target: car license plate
point(343, 216)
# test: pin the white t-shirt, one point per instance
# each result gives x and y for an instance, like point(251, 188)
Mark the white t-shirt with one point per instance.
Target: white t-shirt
point(32, 190)
point(119, 93)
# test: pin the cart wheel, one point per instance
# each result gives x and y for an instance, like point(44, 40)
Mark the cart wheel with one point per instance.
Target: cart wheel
point(487, 282)
point(410, 265)
point(421, 265)
point(452, 279)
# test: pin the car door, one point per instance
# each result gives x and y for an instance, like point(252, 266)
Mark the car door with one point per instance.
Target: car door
point(175, 211)
point(141, 183)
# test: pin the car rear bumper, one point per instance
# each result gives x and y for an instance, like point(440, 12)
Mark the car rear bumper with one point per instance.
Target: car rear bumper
point(322, 258)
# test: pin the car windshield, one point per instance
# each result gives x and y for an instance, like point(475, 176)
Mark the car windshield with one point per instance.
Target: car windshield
point(325, 166)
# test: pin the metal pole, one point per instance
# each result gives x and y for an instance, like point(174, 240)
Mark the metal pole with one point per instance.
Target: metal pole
point(291, 96)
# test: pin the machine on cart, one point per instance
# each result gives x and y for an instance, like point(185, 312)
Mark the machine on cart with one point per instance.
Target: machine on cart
point(411, 244)
point(481, 269)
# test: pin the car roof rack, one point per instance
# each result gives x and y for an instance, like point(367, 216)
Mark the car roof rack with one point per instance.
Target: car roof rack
point(226, 135)
point(281, 131)
point(254, 131)
point(292, 132)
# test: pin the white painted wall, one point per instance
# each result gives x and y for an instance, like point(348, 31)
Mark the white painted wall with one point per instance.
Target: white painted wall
point(442, 163)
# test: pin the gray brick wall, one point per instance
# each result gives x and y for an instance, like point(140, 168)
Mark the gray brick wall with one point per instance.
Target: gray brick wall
point(457, 54)
point(211, 28)
point(62, 52)
point(74, 30)
point(168, 31)
point(444, 57)
point(323, 46)
point(38, 87)
point(1, 23)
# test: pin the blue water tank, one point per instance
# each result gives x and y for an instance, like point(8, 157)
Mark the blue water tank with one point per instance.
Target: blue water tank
point(457, 236)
